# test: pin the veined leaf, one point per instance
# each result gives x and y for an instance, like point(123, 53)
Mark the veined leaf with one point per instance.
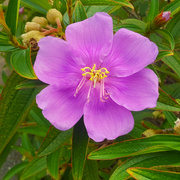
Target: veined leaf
point(34, 167)
point(163, 54)
point(170, 117)
point(173, 26)
point(79, 11)
point(21, 61)
point(136, 147)
point(53, 163)
point(13, 171)
point(40, 6)
point(79, 149)
point(174, 7)
point(108, 3)
point(147, 161)
point(166, 34)
point(165, 102)
point(152, 174)
point(14, 106)
point(12, 15)
point(53, 140)
point(30, 84)
point(153, 10)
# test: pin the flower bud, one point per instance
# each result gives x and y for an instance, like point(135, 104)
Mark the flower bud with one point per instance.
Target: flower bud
point(53, 15)
point(41, 21)
point(30, 26)
point(161, 19)
point(177, 126)
point(31, 34)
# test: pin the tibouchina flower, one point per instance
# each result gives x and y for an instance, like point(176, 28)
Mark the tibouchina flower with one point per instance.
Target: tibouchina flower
point(97, 75)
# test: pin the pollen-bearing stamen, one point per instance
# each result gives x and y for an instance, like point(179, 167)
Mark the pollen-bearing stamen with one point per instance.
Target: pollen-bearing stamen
point(96, 76)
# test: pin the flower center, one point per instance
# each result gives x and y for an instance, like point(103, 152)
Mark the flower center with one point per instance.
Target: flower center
point(95, 76)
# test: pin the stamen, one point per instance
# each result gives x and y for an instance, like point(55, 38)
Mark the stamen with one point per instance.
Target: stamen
point(96, 76)
point(89, 92)
point(80, 85)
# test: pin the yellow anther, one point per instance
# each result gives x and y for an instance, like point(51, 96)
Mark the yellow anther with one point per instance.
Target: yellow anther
point(95, 75)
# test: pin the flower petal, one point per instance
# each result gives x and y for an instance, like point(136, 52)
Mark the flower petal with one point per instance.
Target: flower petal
point(60, 106)
point(93, 37)
point(56, 61)
point(130, 53)
point(106, 119)
point(136, 92)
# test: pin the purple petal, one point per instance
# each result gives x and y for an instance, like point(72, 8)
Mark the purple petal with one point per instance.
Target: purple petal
point(130, 53)
point(136, 92)
point(106, 119)
point(92, 37)
point(60, 106)
point(56, 61)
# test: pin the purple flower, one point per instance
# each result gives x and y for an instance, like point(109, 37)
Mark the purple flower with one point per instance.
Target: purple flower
point(166, 15)
point(97, 75)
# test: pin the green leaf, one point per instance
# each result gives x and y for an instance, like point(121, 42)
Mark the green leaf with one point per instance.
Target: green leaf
point(79, 149)
point(147, 161)
point(35, 130)
point(108, 3)
point(36, 115)
point(79, 11)
point(53, 163)
point(167, 35)
point(170, 117)
point(153, 10)
point(162, 54)
point(13, 171)
point(173, 62)
point(136, 147)
point(165, 102)
point(91, 170)
point(30, 84)
point(12, 15)
point(173, 26)
point(151, 174)
point(53, 140)
point(174, 7)
point(14, 105)
point(21, 62)
point(35, 166)
point(6, 47)
point(41, 6)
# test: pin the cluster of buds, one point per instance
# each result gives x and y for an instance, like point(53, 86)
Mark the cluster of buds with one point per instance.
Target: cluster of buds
point(40, 27)
point(161, 19)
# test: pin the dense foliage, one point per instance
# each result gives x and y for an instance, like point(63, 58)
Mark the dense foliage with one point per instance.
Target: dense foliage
point(150, 151)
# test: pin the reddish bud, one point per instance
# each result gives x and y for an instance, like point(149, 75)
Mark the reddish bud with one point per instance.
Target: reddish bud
point(162, 18)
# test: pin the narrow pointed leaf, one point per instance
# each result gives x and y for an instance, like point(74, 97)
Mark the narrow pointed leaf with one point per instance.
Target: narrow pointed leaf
point(79, 11)
point(166, 102)
point(153, 10)
point(91, 170)
point(108, 3)
point(21, 61)
point(12, 15)
point(174, 7)
point(13, 171)
point(35, 166)
point(168, 36)
point(163, 54)
point(53, 140)
point(14, 106)
point(147, 161)
point(152, 174)
point(170, 117)
point(136, 147)
point(53, 163)
point(79, 149)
